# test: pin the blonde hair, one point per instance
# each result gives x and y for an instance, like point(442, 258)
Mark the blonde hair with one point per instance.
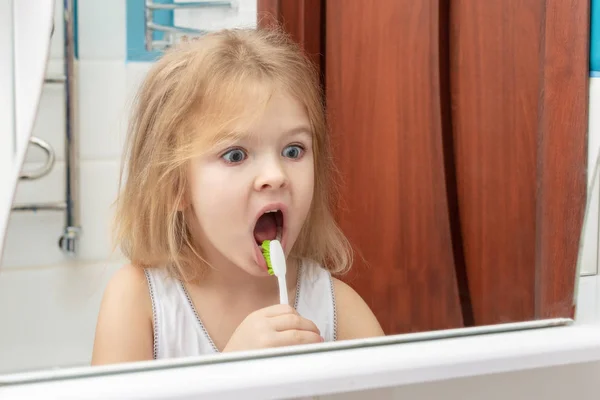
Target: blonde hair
point(190, 98)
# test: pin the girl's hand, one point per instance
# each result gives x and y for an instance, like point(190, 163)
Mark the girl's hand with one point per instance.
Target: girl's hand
point(274, 326)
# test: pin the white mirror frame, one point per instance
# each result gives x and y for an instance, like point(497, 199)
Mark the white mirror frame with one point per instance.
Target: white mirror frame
point(345, 367)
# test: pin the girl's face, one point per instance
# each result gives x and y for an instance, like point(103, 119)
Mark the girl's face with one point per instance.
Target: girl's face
point(257, 187)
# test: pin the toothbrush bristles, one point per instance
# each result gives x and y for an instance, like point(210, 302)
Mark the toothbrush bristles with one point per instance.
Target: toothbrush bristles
point(265, 249)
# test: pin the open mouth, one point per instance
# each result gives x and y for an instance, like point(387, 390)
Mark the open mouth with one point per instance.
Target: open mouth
point(269, 226)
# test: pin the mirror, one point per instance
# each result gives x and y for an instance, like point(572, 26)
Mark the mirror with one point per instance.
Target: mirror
point(460, 185)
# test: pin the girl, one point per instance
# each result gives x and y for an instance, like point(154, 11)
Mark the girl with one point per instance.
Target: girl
point(228, 147)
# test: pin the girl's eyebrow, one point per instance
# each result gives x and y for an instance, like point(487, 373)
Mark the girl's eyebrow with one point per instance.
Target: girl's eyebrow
point(299, 130)
point(242, 135)
point(230, 137)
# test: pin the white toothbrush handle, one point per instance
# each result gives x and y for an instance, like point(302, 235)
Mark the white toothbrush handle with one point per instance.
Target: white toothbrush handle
point(283, 294)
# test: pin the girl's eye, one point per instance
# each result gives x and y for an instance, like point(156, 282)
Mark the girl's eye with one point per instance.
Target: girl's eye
point(234, 156)
point(293, 151)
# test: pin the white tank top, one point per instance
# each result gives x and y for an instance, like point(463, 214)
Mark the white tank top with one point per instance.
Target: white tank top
point(179, 332)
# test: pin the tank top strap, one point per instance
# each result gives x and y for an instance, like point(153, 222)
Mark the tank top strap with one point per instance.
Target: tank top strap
point(315, 298)
point(178, 332)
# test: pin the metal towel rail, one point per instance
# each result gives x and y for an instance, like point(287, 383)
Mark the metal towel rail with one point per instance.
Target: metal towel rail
point(171, 31)
point(47, 167)
point(69, 239)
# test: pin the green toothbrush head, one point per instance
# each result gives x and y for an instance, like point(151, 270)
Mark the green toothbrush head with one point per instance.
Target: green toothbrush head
point(265, 248)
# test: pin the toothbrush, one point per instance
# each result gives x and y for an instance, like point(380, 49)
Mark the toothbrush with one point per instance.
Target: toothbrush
point(275, 258)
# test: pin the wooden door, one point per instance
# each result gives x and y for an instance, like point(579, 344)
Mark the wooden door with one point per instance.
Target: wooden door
point(384, 103)
point(460, 132)
point(302, 19)
point(519, 90)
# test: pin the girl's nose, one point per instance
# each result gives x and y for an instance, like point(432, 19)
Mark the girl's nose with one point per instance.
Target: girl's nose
point(271, 176)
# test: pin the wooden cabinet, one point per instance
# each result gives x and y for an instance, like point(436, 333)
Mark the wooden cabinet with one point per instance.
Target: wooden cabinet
point(460, 130)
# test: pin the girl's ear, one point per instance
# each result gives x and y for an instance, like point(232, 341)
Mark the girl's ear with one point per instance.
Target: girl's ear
point(184, 203)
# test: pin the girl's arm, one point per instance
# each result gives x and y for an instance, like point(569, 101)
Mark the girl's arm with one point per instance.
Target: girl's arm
point(124, 329)
point(354, 317)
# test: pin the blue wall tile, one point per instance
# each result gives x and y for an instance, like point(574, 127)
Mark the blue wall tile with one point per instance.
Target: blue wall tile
point(75, 30)
point(136, 48)
point(595, 37)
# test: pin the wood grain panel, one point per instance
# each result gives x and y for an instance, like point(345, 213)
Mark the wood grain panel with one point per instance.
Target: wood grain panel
point(302, 19)
point(519, 151)
point(562, 153)
point(383, 96)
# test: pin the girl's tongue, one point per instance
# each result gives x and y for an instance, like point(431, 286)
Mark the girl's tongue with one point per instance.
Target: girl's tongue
point(266, 228)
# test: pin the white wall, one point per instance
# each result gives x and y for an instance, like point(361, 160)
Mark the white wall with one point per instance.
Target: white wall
point(590, 240)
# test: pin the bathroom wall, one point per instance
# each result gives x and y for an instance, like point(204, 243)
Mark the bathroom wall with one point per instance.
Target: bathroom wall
point(591, 234)
point(591, 238)
point(48, 302)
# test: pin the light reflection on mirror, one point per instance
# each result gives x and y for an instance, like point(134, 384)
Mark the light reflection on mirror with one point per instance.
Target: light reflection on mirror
point(7, 109)
point(225, 146)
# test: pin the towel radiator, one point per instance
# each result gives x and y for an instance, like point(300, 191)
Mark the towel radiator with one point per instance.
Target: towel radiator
point(69, 239)
point(170, 32)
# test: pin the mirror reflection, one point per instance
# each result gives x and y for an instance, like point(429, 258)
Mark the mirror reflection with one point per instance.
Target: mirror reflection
point(199, 190)
point(7, 109)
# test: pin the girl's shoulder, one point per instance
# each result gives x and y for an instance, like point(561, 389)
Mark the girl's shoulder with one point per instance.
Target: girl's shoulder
point(354, 317)
point(129, 285)
point(123, 330)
